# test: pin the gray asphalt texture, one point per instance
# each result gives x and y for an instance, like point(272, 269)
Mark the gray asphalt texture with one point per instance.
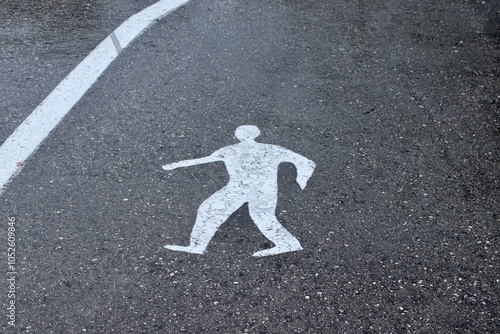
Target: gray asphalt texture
point(396, 102)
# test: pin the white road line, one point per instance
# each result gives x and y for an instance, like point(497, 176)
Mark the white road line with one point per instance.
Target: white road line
point(116, 42)
point(37, 126)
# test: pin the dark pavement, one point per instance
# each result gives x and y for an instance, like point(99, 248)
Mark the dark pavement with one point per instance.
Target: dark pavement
point(396, 102)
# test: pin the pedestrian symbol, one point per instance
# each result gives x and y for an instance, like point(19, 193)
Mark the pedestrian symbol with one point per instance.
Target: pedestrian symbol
point(253, 179)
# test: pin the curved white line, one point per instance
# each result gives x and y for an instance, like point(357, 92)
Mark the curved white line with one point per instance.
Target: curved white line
point(37, 126)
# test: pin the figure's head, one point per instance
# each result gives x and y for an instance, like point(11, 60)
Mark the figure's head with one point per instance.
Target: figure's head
point(247, 132)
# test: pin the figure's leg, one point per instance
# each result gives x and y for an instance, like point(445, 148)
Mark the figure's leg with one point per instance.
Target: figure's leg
point(263, 214)
point(212, 213)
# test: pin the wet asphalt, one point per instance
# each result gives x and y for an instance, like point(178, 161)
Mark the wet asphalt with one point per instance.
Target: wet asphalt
point(396, 102)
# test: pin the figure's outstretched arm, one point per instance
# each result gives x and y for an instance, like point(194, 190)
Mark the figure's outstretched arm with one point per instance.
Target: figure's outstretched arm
point(191, 162)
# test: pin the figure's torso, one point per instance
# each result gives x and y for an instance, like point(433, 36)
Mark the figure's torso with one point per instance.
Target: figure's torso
point(252, 163)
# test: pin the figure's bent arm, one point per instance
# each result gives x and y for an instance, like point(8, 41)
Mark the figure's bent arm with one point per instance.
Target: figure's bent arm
point(304, 172)
point(305, 168)
point(191, 162)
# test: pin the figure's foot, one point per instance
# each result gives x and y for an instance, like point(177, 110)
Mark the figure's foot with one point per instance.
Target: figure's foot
point(188, 249)
point(277, 250)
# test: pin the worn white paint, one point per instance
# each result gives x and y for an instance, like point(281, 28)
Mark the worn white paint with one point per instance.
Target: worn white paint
point(253, 179)
point(37, 126)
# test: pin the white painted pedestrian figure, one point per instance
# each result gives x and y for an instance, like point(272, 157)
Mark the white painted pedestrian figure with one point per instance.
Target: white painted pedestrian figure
point(253, 179)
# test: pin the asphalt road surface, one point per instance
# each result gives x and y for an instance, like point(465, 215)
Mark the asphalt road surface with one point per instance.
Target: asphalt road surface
point(395, 101)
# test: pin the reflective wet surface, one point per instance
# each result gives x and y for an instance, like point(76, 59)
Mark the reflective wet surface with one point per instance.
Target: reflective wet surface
point(396, 102)
point(42, 41)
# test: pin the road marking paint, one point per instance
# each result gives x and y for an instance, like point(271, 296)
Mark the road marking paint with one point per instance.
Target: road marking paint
point(116, 42)
point(253, 179)
point(37, 126)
